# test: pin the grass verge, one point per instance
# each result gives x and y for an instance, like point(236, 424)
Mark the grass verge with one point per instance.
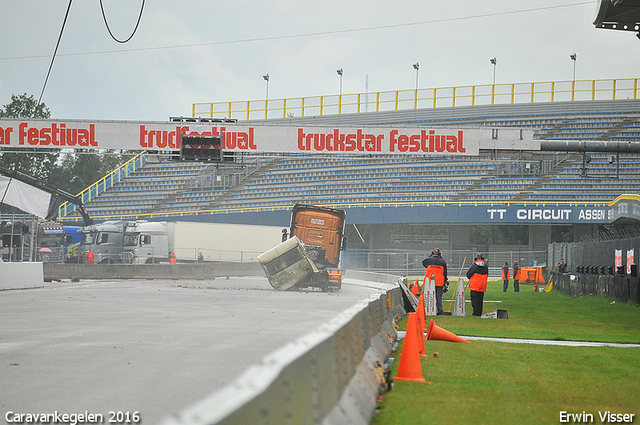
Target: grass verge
point(489, 382)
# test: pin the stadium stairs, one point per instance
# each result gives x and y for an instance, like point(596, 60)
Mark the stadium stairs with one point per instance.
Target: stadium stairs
point(545, 178)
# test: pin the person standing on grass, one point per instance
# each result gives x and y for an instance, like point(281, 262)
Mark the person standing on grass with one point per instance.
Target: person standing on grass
point(436, 267)
point(505, 276)
point(516, 277)
point(477, 275)
point(562, 266)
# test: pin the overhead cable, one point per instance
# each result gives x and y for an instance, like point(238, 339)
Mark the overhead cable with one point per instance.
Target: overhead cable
point(55, 51)
point(104, 16)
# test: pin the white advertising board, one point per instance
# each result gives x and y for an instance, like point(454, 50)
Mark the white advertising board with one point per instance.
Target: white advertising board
point(129, 135)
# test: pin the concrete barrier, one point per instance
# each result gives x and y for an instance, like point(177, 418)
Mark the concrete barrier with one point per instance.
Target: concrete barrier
point(209, 270)
point(20, 275)
point(325, 377)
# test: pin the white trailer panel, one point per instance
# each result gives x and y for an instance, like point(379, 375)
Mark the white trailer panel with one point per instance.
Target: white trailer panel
point(221, 241)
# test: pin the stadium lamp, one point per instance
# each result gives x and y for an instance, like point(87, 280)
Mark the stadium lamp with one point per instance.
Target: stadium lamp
point(494, 61)
point(574, 57)
point(266, 102)
point(340, 72)
point(416, 66)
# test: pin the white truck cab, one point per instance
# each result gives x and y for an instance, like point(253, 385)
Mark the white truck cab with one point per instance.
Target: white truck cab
point(146, 243)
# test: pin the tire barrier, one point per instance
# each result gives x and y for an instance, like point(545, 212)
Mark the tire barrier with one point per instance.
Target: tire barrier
point(624, 288)
point(328, 376)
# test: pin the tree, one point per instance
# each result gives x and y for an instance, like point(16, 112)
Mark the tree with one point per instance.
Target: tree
point(79, 170)
point(69, 171)
point(22, 106)
point(36, 162)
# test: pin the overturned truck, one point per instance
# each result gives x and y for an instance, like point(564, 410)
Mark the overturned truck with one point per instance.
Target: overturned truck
point(309, 255)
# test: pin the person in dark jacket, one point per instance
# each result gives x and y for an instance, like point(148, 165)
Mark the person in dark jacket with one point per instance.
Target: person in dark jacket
point(477, 274)
point(436, 270)
point(505, 276)
point(516, 277)
point(562, 266)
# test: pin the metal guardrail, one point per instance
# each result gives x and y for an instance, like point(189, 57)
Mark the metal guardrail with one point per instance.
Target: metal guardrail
point(484, 94)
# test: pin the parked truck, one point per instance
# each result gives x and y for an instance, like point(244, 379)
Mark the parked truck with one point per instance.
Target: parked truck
point(105, 240)
point(54, 243)
point(144, 242)
point(310, 252)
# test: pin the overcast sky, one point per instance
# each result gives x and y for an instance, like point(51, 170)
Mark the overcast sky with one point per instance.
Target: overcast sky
point(208, 51)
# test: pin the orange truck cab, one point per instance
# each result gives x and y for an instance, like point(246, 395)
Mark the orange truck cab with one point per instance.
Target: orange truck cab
point(321, 229)
point(309, 254)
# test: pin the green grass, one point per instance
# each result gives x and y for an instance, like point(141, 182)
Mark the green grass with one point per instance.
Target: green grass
point(488, 382)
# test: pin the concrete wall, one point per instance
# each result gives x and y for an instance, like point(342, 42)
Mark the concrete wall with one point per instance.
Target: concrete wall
point(20, 275)
point(325, 377)
point(207, 270)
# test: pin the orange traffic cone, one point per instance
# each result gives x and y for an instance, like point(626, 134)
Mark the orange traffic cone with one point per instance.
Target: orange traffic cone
point(539, 278)
point(409, 368)
point(436, 332)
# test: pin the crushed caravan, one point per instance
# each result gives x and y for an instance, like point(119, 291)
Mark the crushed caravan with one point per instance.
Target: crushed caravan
point(287, 264)
point(316, 236)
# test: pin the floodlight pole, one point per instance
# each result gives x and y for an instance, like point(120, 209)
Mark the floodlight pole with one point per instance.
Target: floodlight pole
point(416, 66)
point(493, 61)
point(340, 73)
point(266, 102)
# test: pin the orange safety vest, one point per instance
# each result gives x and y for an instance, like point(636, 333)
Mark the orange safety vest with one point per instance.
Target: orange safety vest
point(478, 281)
point(507, 277)
point(172, 258)
point(438, 273)
point(90, 257)
point(516, 273)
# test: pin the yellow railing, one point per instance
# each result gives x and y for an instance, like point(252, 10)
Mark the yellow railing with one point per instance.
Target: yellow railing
point(103, 184)
point(487, 94)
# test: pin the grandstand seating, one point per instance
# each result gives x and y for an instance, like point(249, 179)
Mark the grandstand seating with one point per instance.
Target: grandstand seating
point(170, 187)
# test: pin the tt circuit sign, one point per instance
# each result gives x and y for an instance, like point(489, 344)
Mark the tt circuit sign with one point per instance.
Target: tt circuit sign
point(130, 135)
point(547, 215)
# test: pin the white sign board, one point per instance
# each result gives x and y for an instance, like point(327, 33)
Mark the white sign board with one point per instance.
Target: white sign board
point(130, 135)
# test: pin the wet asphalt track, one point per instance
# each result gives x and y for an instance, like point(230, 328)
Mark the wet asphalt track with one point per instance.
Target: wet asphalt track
point(147, 346)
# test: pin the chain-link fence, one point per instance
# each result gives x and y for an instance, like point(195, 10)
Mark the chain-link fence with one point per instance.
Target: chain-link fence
point(409, 263)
